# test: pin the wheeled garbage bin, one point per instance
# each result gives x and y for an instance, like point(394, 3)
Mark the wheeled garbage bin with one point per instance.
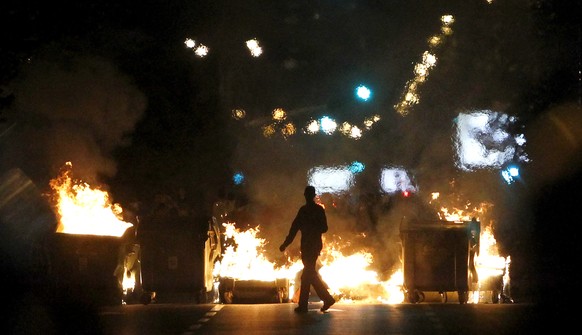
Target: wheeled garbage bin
point(173, 259)
point(82, 268)
point(435, 258)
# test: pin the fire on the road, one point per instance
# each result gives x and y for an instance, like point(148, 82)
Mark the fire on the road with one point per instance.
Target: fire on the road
point(348, 276)
point(86, 211)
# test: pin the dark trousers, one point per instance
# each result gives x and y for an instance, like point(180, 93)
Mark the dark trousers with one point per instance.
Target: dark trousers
point(310, 277)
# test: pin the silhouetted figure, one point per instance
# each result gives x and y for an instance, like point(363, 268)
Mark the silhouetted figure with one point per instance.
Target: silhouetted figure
point(312, 223)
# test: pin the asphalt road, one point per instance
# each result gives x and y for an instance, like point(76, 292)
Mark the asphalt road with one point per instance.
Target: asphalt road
point(342, 318)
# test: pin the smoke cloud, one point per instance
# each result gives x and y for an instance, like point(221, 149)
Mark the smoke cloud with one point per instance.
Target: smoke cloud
point(69, 107)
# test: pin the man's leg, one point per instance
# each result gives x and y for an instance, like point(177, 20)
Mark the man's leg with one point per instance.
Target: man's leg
point(322, 292)
point(306, 281)
point(321, 289)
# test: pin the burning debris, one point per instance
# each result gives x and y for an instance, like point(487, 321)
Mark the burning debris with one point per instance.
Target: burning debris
point(245, 259)
point(83, 210)
point(239, 265)
point(89, 255)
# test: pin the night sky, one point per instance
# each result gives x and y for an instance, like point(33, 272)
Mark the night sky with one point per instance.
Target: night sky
point(111, 86)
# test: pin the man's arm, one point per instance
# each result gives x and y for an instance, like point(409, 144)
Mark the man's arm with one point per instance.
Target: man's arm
point(292, 233)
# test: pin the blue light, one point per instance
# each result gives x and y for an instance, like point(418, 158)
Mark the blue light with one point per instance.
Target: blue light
point(363, 92)
point(507, 177)
point(510, 174)
point(356, 167)
point(238, 178)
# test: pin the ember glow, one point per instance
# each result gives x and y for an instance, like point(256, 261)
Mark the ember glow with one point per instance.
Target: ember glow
point(84, 210)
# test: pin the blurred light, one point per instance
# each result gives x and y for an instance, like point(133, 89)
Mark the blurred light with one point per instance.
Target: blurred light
point(346, 128)
point(369, 122)
point(190, 43)
point(410, 96)
point(510, 174)
point(279, 114)
point(435, 41)
point(331, 179)
point(201, 50)
point(363, 92)
point(357, 167)
point(238, 178)
point(355, 132)
point(238, 114)
point(312, 127)
point(254, 48)
point(483, 141)
point(328, 125)
point(288, 130)
point(395, 179)
point(269, 130)
point(447, 20)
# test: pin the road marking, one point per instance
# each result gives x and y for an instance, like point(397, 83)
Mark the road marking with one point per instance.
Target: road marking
point(213, 311)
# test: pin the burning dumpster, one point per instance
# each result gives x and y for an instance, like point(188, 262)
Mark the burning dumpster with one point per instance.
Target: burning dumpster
point(435, 258)
point(88, 248)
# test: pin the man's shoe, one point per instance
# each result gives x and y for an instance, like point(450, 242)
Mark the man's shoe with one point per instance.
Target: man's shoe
point(327, 304)
point(301, 310)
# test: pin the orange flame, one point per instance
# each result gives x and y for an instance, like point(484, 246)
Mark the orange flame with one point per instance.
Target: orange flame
point(83, 210)
point(348, 276)
point(245, 259)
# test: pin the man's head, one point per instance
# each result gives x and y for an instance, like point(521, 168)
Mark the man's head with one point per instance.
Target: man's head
point(309, 192)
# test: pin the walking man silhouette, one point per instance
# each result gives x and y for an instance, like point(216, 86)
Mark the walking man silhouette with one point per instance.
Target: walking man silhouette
point(312, 222)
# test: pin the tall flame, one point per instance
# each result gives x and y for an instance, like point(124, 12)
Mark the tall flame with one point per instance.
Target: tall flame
point(244, 260)
point(83, 210)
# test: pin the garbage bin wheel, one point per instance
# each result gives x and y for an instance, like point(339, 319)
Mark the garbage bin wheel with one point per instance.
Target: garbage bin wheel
point(228, 297)
point(279, 297)
point(421, 296)
point(495, 296)
point(463, 296)
point(415, 296)
point(444, 297)
point(146, 297)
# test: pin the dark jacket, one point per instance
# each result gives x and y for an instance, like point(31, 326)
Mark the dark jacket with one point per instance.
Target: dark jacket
point(312, 223)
